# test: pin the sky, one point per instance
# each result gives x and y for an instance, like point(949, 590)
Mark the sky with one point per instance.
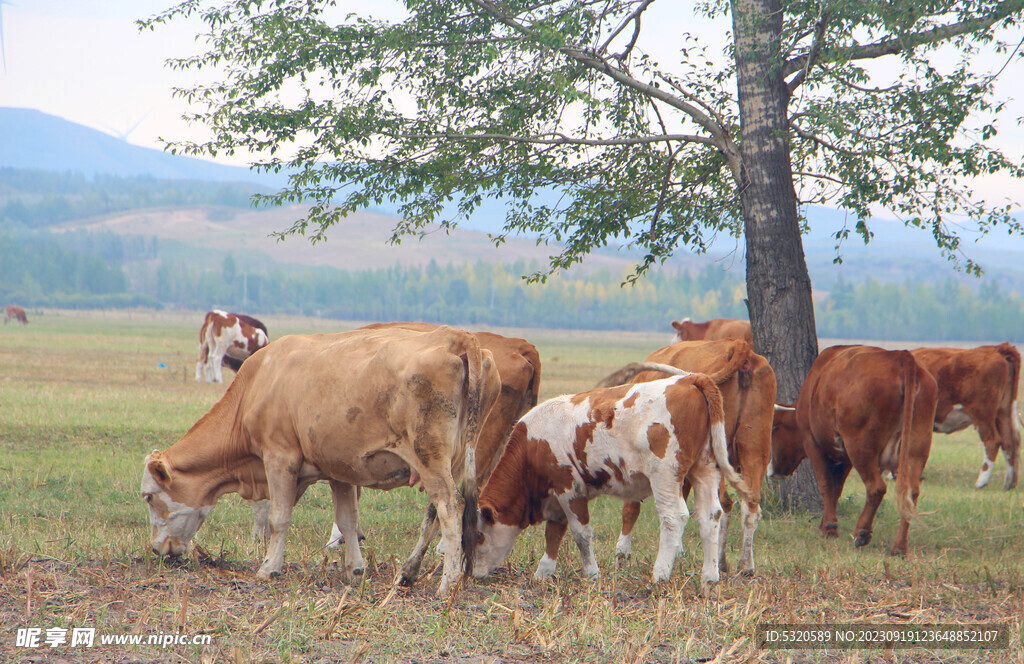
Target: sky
point(86, 61)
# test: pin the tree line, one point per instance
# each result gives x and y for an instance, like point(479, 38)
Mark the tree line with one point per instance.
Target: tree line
point(91, 271)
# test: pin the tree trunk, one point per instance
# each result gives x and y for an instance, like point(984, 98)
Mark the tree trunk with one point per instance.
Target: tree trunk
point(778, 285)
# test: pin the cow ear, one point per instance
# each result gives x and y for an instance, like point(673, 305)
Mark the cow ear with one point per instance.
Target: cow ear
point(159, 471)
point(487, 514)
point(677, 326)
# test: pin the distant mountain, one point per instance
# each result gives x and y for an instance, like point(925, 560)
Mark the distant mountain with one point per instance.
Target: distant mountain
point(32, 139)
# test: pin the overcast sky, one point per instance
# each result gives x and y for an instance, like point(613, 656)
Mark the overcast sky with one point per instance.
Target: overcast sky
point(85, 61)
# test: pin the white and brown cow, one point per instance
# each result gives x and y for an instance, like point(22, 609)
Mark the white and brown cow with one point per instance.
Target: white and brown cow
point(227, 339)
point(979, 386)
point(716, 328)
point(630, 441)
point(15, 313)
point(747, 384)
point(359, 408)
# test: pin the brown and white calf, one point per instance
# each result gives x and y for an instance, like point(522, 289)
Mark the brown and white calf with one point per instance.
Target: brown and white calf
point(629, 441)
point(15, 313)
point(227, 339)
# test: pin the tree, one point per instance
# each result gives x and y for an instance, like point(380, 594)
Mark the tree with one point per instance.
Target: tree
point(555, 107)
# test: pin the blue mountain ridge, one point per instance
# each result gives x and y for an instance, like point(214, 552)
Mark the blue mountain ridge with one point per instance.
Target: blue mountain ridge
point(31, 139)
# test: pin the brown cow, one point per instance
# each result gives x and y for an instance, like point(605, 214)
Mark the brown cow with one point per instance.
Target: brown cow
point(227, 339)
point(15, 313)
point(747, 384)
point(358, 408)
point(717, 328)
point(630, 441)
point(979, 386)
point(518, 364)
point(865, 408)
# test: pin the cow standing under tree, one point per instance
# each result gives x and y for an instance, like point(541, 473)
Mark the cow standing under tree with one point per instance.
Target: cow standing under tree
point(979, 386)
point(716, 328)
point(747, 385)
point(359, 408)
point(629, 441)
point(866, 408)
point(15, 313)
point(227, 339)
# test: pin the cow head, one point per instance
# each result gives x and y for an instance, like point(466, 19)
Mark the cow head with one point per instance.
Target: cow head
point(787, 446)
point(174, 522)
point(495, 543)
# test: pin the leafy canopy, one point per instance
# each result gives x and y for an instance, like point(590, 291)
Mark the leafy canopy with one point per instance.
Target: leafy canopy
point(559, 108)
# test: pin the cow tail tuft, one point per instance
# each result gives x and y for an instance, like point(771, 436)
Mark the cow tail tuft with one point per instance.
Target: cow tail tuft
point(719, 444)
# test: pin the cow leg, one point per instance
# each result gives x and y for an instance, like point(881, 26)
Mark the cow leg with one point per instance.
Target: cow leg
point(723, 527)
point(346, 518)
point(428, 531)
point(709, 513)
point(874, 485)
point(630, 513)
point(751, 517)
point(987, 431)
point(577, 513)
point(1006, 424)
point(261, 521)
point(554, 531)
point(283, 489)
point(672, 518)
point(831, 478)
point(440, 487)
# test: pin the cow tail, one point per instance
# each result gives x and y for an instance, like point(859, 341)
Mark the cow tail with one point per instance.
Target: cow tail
point(719, 444)
point(479, 398)
point(904, 487)
point(1012, 357)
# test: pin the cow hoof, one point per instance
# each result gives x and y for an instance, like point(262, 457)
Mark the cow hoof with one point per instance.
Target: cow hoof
point(357, 572)
point(898, 552)
point(748, 573)
point(830, 529)
point(268, 575)
point(407, 580)
point(863, 538)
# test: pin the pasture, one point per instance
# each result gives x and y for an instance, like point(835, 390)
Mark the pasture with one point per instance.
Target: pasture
point(83, 400)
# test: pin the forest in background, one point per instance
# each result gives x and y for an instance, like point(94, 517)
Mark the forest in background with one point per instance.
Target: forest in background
point(100, 270)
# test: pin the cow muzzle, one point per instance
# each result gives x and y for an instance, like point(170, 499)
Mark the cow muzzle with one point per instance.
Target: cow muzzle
point(169, 546)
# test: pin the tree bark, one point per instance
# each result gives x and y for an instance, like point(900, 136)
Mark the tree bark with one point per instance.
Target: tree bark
point(778, 286)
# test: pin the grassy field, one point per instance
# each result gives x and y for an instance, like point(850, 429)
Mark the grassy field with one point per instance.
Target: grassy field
point(83, 399)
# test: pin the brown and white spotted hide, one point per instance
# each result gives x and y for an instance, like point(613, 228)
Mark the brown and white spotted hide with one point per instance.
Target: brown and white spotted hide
point(15, 313)
point(629, 441)
point(747, 384)
point(361, 408)
point(716, 328)
point(865, 408)
point(979, 386)
point(227, 339)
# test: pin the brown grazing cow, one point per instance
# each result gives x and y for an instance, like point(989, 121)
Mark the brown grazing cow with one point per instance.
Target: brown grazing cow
point(630, 441)
point(227, 339)
point(866, 408)
point(518, 364)
point(979, 386)
point(15, 313)
point(747, 384)
point(358, 408)
point(717, 328)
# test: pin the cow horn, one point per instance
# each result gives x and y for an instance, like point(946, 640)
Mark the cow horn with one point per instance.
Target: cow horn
point(779, 408)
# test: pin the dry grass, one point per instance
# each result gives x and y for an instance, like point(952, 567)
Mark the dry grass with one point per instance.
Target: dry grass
point(82, 399)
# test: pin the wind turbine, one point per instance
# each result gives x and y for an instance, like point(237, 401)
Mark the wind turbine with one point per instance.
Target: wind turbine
point(123, 135)
point(3, 52)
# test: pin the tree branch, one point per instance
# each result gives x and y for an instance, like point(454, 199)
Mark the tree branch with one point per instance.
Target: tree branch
point(904, 42)
point(556, 138)
point(812, 53)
